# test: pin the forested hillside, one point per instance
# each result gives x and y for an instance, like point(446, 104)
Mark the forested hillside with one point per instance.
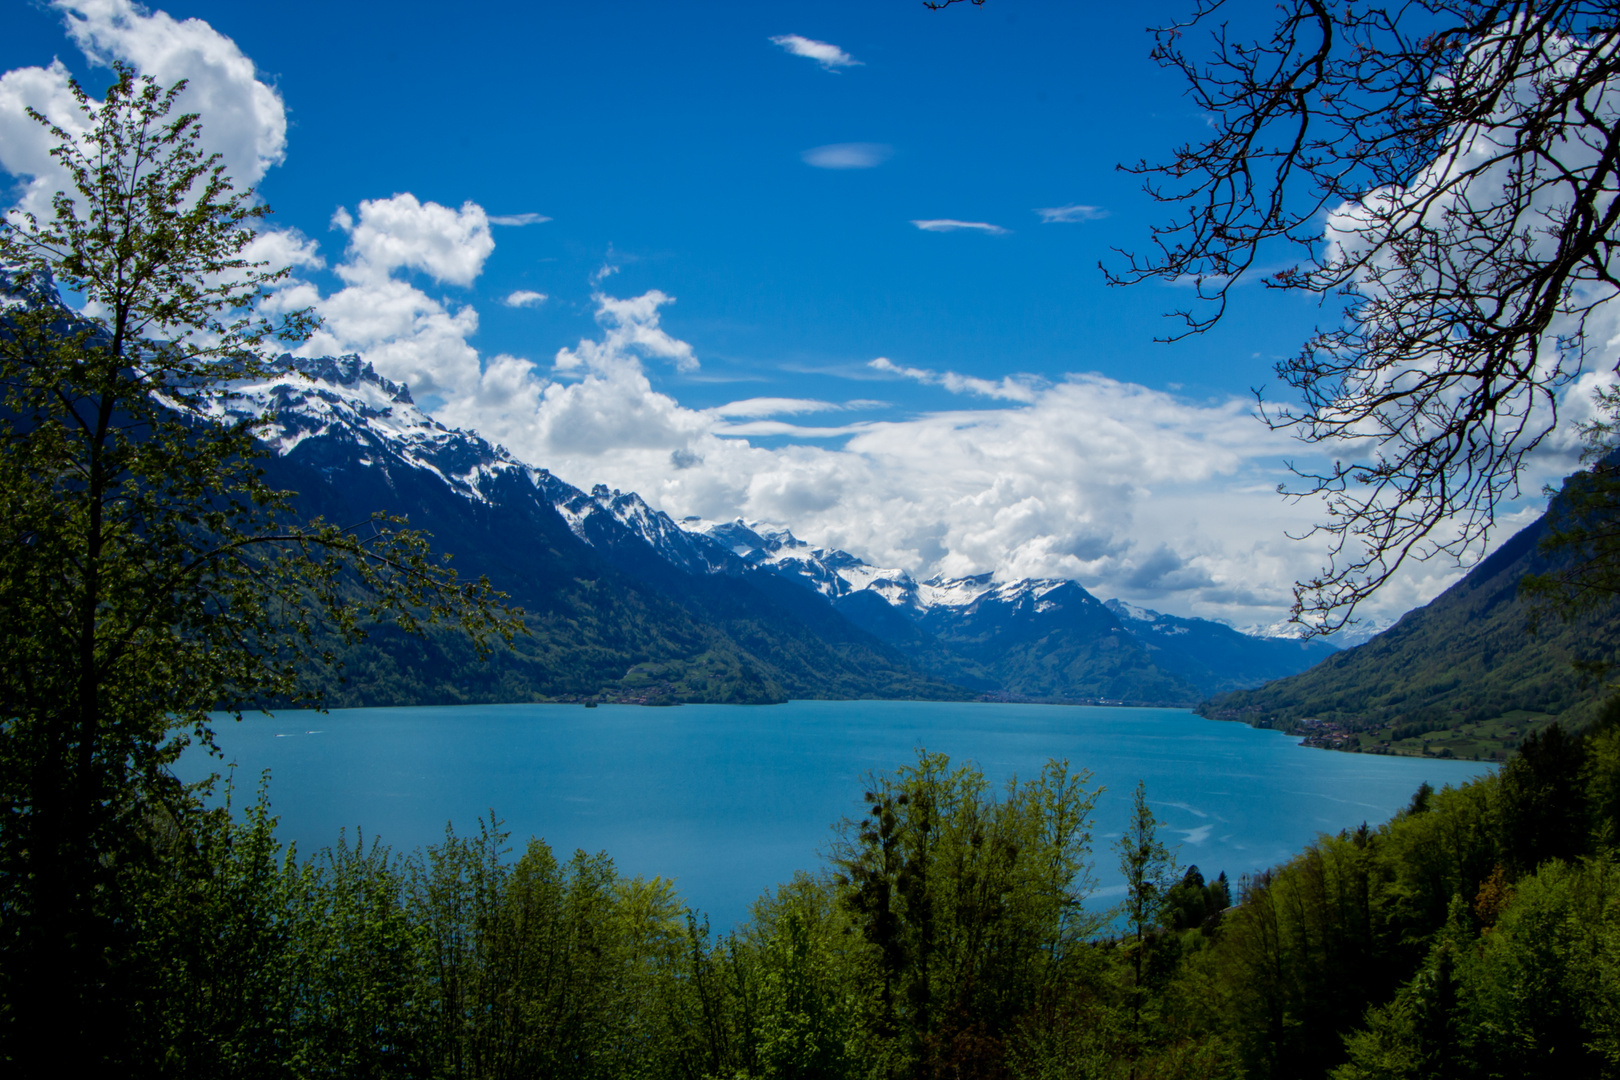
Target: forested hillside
point(1465, 675)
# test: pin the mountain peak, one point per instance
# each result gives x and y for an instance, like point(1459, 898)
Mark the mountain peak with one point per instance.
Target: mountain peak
point(348, 370)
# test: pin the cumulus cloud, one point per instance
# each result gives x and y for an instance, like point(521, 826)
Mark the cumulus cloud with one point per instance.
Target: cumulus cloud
point(407, 334)
point(830, 57)
point(402, 233)
point(243, 118)
point(1130, 491)
point(282, 249)
point(524, 298)
point(1054, 215)
point(518, 219)
point(1133, 492)
point(632, 332)
point(848, 155)
point(952, 225)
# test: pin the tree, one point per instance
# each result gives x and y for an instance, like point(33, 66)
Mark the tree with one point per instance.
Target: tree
point(1582, 543)
point(1149, 870)
point(1448, 170)
point(970, 906)
point(148, 576)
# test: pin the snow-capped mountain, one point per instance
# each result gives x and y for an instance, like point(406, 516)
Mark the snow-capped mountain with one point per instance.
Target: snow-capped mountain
point(620, 603)
point(341, 401)
point(1210, 655)
point(588, 516)
point(1036, 638)
point(1213, 655)
point(837, 574)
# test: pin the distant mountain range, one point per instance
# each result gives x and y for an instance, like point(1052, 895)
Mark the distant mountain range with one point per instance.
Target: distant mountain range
point(625, 603)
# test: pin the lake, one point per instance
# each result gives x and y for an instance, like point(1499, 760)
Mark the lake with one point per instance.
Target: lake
point(731, 799)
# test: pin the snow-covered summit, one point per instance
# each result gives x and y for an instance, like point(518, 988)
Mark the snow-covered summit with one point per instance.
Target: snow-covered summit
point(692, 552)
point(343, 399)
point(837, 574)
point(829, 571)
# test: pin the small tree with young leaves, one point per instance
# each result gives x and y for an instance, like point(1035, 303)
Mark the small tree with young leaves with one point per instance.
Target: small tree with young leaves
point(1149, 870)
point(970, 907)
point(148, 575)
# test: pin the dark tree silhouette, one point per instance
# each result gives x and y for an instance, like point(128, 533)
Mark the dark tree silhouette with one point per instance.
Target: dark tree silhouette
point(1448, 170)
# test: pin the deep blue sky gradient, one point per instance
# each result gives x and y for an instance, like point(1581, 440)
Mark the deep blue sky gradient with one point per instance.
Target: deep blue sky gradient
point(669, 135)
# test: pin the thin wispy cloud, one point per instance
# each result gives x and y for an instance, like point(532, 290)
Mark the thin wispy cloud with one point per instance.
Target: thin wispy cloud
point(952, 225)
point(856, 155)
point(774, 406)
point(757, 428)
point(830, 57)
point(1008, 389)
point(524, 298)
point(518, 219)
point(1060, 215)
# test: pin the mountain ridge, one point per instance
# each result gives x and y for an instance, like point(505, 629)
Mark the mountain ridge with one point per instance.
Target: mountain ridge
point(757, 591)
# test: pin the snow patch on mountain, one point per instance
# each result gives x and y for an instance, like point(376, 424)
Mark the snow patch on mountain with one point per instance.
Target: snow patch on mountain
point(344, 398)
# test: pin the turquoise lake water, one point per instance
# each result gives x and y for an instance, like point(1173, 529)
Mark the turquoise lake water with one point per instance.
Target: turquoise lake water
point(729, 800)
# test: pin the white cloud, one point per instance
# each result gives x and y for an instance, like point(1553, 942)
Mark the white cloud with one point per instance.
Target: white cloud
point(284, 248)
point(830, 57)
point(243, 118)
point(25, 145)
point(1133, 492)
point(409, 336)
point(632, 331)
point(524, 298)
point(402, 233)
point(1053, 215)
point(518, 219)
point(952, 225)
point(773, 406)
point(1130, 491)
point(848, 155)
point(782, 428)
point(1009, 388)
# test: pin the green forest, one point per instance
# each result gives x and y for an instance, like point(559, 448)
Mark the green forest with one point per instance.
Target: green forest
point(946, 935)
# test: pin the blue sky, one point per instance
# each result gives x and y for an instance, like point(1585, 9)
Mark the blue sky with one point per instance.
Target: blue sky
point(950, 399)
